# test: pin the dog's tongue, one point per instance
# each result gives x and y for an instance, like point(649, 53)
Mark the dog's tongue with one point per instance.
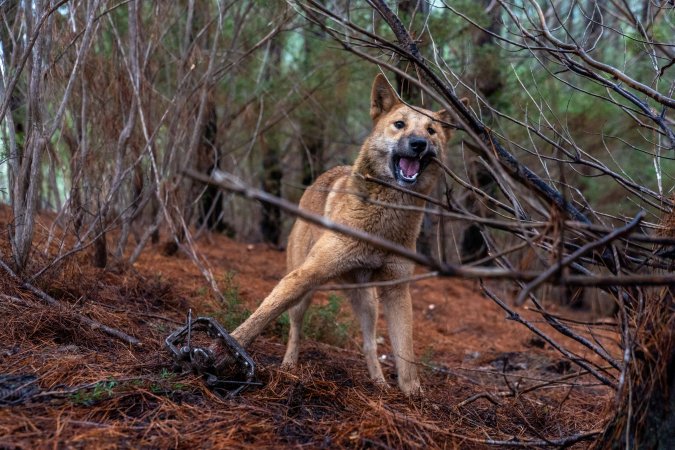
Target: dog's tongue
point(409, 166)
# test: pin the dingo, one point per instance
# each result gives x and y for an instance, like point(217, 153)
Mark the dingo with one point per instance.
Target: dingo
point(398, 150)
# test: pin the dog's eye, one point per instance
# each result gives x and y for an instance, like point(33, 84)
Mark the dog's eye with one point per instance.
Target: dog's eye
point(399, 124)
point(431, 131)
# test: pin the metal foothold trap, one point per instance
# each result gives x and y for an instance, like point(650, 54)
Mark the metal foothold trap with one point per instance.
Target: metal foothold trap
point(203, 346)
point(17, 389)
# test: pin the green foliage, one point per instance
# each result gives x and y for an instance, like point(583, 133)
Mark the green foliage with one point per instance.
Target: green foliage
point(323, 323)
point(427, 358)
point(231, 290)
point(98, 392)
point(165, 384)
point(233, 312)
point(202, 291)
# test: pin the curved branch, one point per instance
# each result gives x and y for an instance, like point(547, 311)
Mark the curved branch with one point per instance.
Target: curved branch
point(516, 169)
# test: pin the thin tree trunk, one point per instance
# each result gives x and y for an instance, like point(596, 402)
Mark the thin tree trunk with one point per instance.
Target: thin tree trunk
point(270, 222)
point(312, 127)
point(100, 257)
point(25, 163)
point(488, 79)
point(208, 157)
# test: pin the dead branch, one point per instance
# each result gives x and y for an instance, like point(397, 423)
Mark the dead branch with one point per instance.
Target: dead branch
point(481, 134)
point(231, 183)
point(581, 362)
point(557, 268)
point(51, 301)
point(411, 279)
point(562, 442)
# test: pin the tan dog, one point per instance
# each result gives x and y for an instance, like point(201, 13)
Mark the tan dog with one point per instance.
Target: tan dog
point(398, 150)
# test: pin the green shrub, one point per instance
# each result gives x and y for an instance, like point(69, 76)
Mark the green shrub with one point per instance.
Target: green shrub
point(233, 312)
point(322, 323)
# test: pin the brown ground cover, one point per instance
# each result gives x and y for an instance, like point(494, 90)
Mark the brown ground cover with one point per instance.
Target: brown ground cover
point(92, 391)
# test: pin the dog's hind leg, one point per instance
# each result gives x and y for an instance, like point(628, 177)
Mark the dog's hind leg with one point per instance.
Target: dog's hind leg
point(364, 304)
point(296, 315)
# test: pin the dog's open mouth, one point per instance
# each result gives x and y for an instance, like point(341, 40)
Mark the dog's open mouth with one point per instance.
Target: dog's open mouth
point(407, 169)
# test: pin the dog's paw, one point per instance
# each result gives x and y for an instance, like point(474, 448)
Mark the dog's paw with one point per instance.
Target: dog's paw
point(290, 361)
point(412, 389)
point(288, 366)
point(381, 384)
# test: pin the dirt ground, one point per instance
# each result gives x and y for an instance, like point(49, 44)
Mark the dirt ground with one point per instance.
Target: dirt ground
point(83, 389)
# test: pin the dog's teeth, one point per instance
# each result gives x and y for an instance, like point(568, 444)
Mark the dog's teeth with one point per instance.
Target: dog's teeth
point(413, 178)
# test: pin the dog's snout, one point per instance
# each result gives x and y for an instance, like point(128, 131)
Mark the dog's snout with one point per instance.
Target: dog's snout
point(417, 144)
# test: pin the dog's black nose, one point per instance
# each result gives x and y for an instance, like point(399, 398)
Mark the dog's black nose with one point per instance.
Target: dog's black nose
point(417, 144)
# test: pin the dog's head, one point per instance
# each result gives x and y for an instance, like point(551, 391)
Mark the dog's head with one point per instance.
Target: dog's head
point(403, 140)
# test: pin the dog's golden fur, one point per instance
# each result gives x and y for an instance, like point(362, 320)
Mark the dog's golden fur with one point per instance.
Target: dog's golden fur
point(397, 150)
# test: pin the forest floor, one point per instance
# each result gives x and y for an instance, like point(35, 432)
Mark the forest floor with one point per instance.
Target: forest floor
point(92, 391)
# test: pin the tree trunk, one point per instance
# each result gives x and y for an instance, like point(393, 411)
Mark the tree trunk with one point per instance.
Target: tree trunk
point(270, 222)
point(645, 405)
point(100, 257)
point(25, 162)
point(312, 126)
point(208, 156)
point(488, 79)
point(473, 246)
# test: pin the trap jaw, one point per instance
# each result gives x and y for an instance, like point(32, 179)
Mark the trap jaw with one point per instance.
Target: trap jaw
point(214, 361)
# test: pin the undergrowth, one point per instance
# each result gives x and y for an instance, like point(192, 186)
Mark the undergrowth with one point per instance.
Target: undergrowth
point(322, 323)
point(100, 391)
point(234, 312)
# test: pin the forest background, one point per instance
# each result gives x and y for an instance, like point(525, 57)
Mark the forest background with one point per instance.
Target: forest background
point(568, 135)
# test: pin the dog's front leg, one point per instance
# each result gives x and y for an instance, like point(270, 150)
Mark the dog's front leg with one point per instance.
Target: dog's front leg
point(324, 263)
point(397, 306)
point(286, 294)
point(364, 304)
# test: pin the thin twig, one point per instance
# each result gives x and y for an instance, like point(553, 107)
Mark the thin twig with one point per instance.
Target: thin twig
point(411, 279)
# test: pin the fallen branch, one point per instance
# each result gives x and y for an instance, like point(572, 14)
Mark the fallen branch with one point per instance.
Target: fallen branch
point(579, 361)
point(51, 301)
point(492, 398)
point(557, 268)
point(231, 183)
point(562, 442)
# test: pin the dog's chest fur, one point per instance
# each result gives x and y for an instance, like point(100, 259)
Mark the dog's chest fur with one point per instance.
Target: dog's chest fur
point(376, 209)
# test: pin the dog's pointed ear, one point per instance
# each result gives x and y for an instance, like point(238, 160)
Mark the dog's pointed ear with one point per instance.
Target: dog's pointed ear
point(448, 123)
point(382, 97)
